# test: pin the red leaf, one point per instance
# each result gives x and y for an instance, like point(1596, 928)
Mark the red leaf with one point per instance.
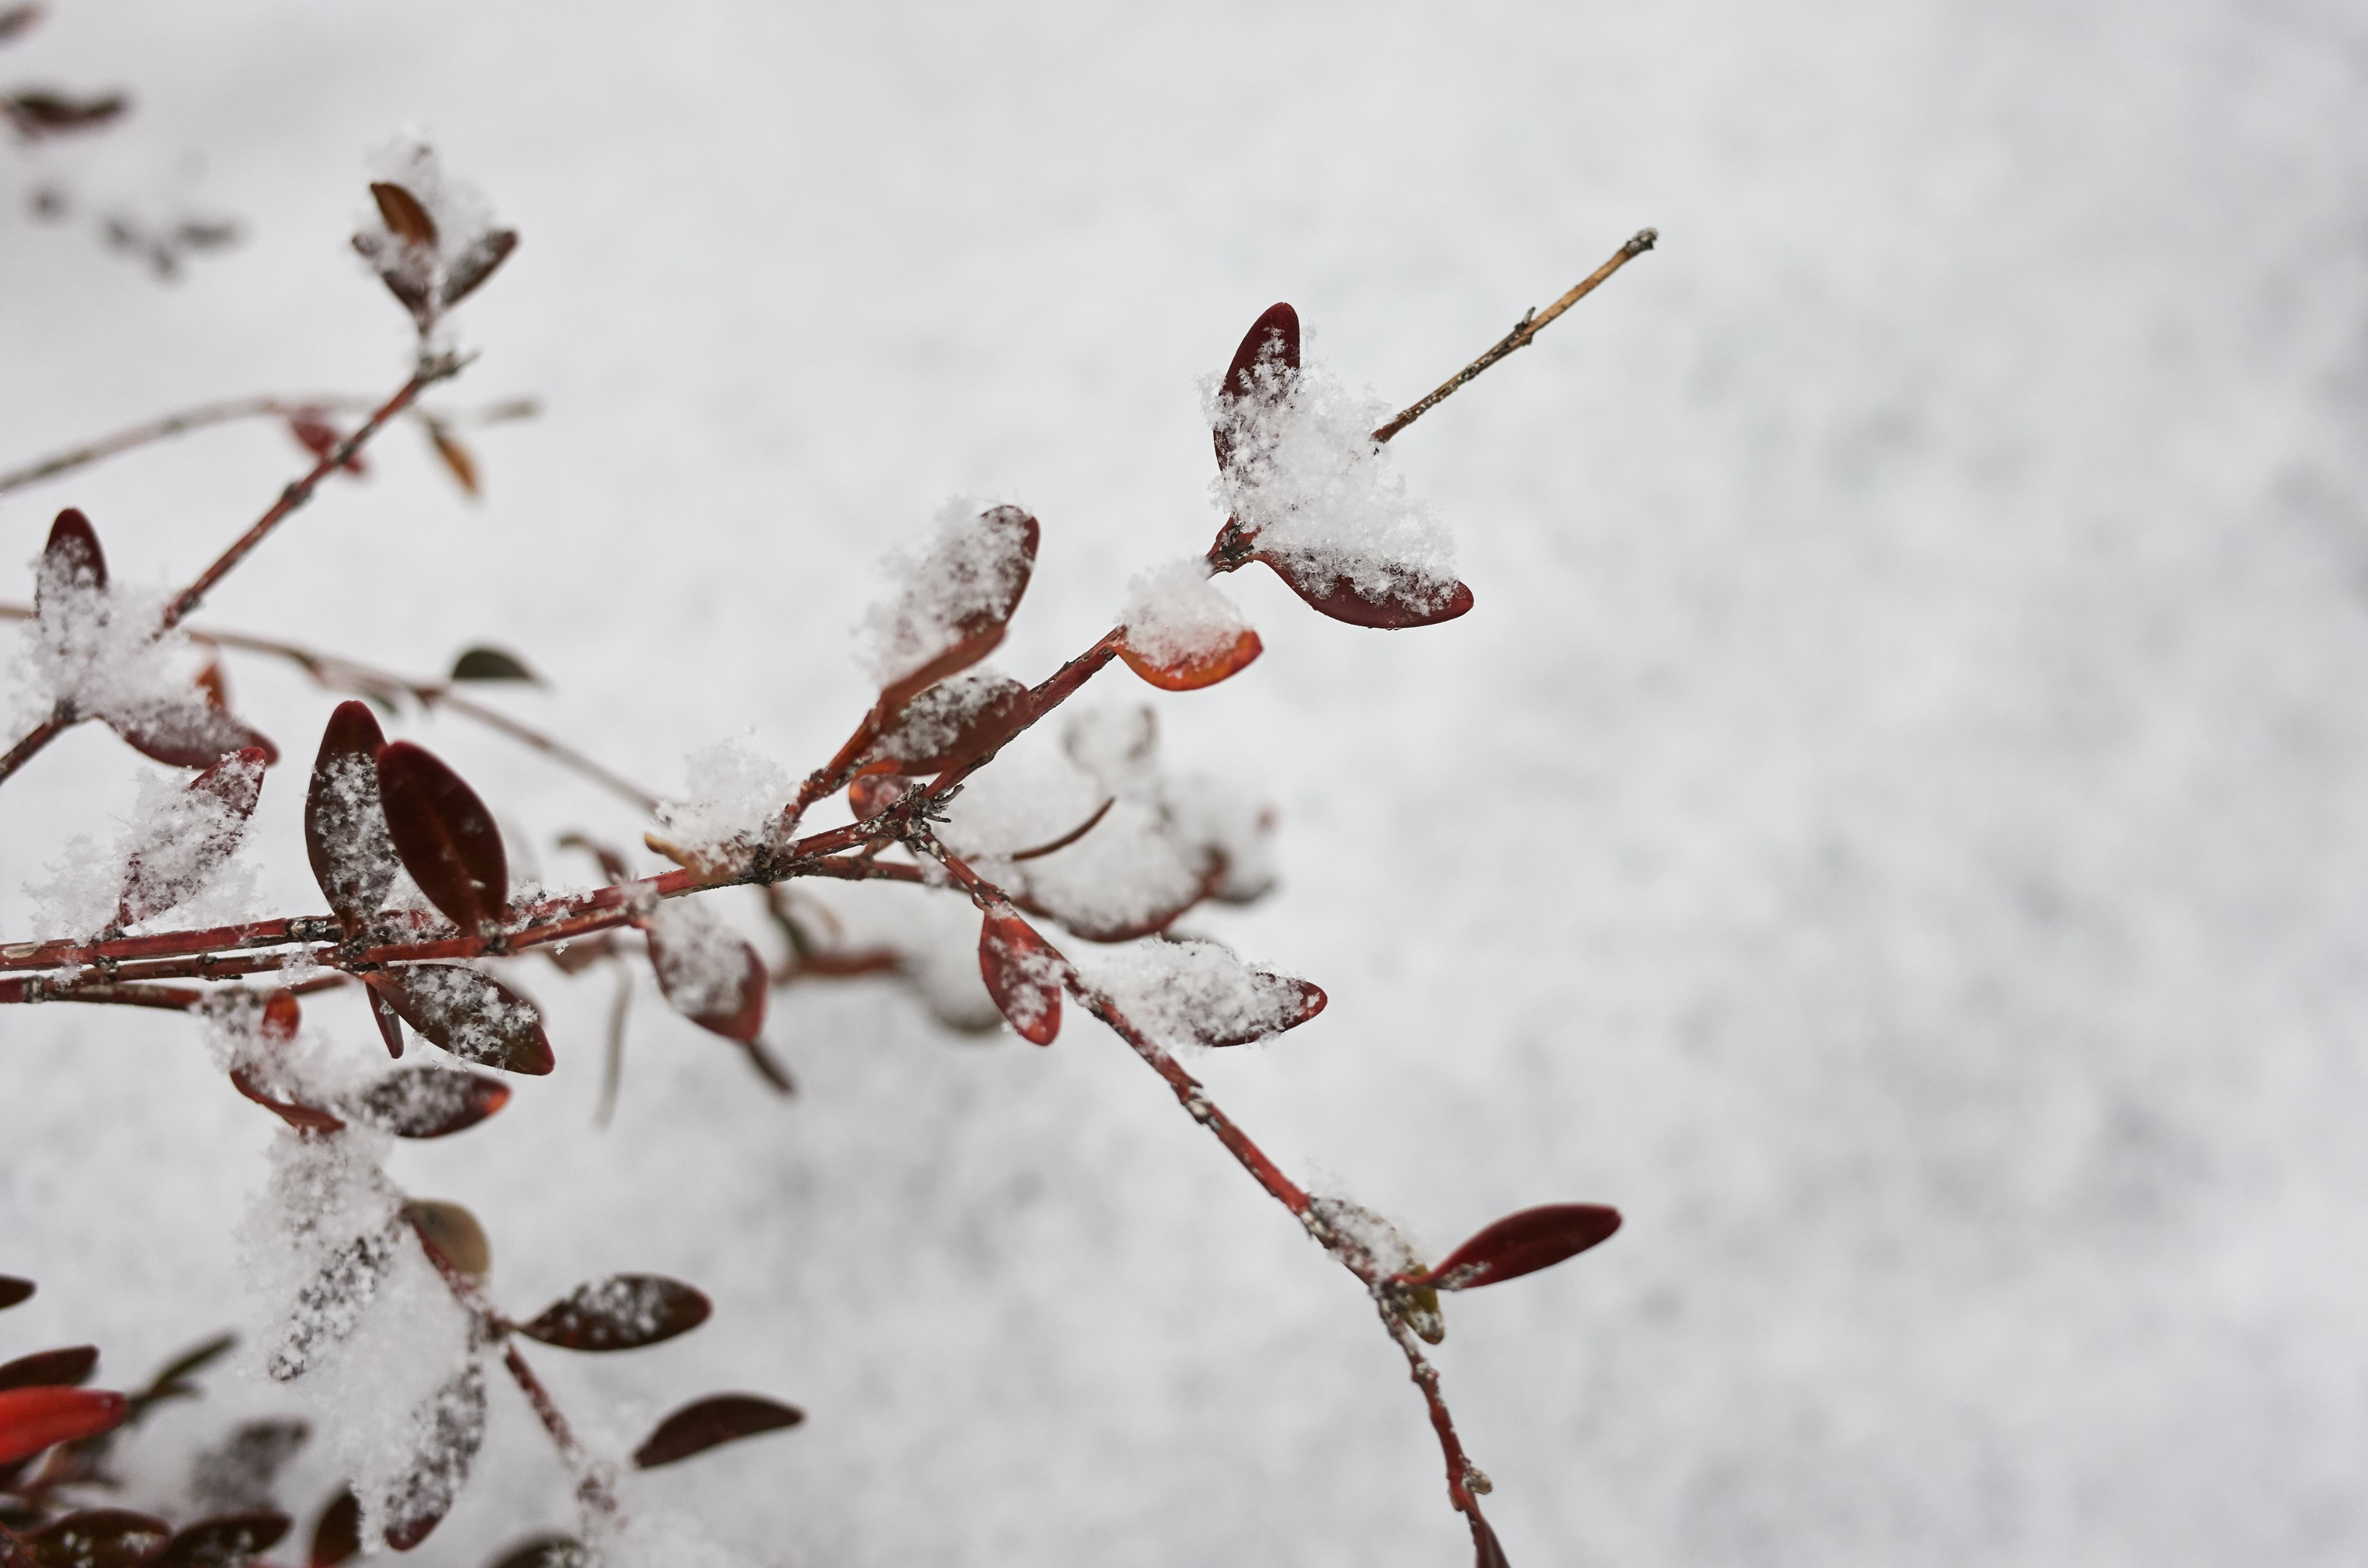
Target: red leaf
point(213, 686)
point(389, 1021)
point(1486, 1552)
point(474, 266)
point(224, 1539)
point(1308, 1000)
point(445, 835)
point(623, 1311)
point(303, 1117)
point(346, 834)
point(980, 632)
point(703, 1423)
point(338, 1534)
point(405, 216)
point(1022, 974)
point(190, 735)
point(72, 557)
point(1522, 1244)
point(454, 1421)
point(952, 723)
point(709, 975)
point(50, 1368)
point(1275, 333)
point(429, 1102)
point(1409, 602)
point(98, 1538)
point(282, 1016)
point(317, 436)
point(473, 1015)
point(1199, 668)
point(872, 793)
point(170, 862)
point(36, 1418)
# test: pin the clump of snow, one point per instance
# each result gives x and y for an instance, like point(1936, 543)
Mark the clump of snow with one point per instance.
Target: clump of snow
point(177, 847)
point(732, 794)
point(973, 568)
point(467, 245)
point(94, 649)
point(1362, 1229)
point(701, 962)
point(480, 1020)
point(1193, 993)
point(180, 839)
point(1174, 613)
point(1308, 479)
point(1237, 829)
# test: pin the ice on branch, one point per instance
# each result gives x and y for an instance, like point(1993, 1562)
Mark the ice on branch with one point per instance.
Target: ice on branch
point(1188, 993)
point(1307, 478)
point(1176, 616)
point(960, 587)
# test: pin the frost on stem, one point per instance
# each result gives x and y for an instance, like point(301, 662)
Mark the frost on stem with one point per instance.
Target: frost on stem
point(1305, 479)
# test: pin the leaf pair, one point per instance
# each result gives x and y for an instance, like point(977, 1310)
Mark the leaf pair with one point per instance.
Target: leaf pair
point(192, 731)
point(409, 256)
point(1405, 599)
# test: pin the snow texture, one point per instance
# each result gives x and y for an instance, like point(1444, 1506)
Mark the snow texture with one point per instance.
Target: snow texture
point(1174, 613)
point(972, 566)
point(177, 848)
point(1190, 993)
point(96, 650)
point(733, 792)
point(701, 960)
point(1308, 480)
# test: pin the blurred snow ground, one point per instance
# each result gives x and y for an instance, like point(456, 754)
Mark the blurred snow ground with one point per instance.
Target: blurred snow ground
point(1897, 823)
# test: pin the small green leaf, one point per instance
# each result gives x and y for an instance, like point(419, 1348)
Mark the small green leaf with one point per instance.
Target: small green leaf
point(491, 663)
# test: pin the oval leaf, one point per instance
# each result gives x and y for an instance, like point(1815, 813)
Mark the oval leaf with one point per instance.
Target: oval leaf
point(71, 561)
point(872, 793)
point(317, 436)
point(174, 856)
point(191, 735)
point(1273, 337)
point(454, 1233)
point(996, 554)
point(346, 835)
point(719, 1418)
point(1022, 974)
point(338, 1533)
point(473, 1015)
point(36, 1418)
point(623, 1311)
point(66, 1369)
point(405, 218)
point(452, 1426)
point(444, 836)
point(225, 1540)
point(14, 1290)
point(1285, 1003)
point(952, 723)
point(1523, 1243)
point(709, 975)
point(545, 1552)
point(1408, 601)
point(383, 1014)
point(490, 664)
point(463, 469)
point(1199, 668)
point(97, 1537)
point(476, 265)
point(295, 1113)
point(430, 1102)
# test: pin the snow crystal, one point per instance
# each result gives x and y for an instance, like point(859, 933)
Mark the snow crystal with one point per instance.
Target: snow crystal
point(96, 649)
point(732, 793)
point(1174, 613)
point(975, 565)
point(938, 718)
point(177, 843)
point(479, 1019)
point(1191, 992)
point(701, 962)
point(1308, 480)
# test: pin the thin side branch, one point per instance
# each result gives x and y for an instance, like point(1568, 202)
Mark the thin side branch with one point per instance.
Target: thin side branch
point(1524, 331)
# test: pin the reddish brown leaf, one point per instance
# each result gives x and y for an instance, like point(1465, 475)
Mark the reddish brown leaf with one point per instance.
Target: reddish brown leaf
point(473, 1015)
point(474, 266)
point(872, 793)
point(72, 557)
point(389, 1021)
point(445, 835)
point(213, 686)
point(719, 1418)
point(14, 1290)
point(623, 1311)
point(317, 436)
point(1306, 1000)
point(338, 1533)
point(303, 1117)
point(66, 1369)
point(97, 1537)
point(453, 1232)
point(1407, 603)
point(429, 1102)
point(1486, 1552)
point(545, 1552)
point(346, 834)
point(456, 457)
point(405, 216)
point(1275, 334)
point(709, 975)
point(32, 1419)
point(191, 735)
point(1522, 1244)
point(952, 723)
point(1022, 974)
point(454, 1421)
point(224, 1540)
point(40, 113)
point(980, 632)
point(1196, 669)
point(173, 860)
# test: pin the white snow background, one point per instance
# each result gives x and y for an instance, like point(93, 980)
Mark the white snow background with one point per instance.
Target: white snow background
point(1896, 822)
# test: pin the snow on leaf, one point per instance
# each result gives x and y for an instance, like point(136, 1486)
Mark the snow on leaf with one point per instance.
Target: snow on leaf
point(431, 238)
point(446, 1431)
point(952, 723)
point(1023, 974)
point(1272, 341)
point(1198, 993)
point(98, 1538)
point(623, 1311)
point(706, 972)
point(346, 837)
point(431, 1102)
point(1182, 632)
point(183, 843)
point(470, 1014)
point(950, 602)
